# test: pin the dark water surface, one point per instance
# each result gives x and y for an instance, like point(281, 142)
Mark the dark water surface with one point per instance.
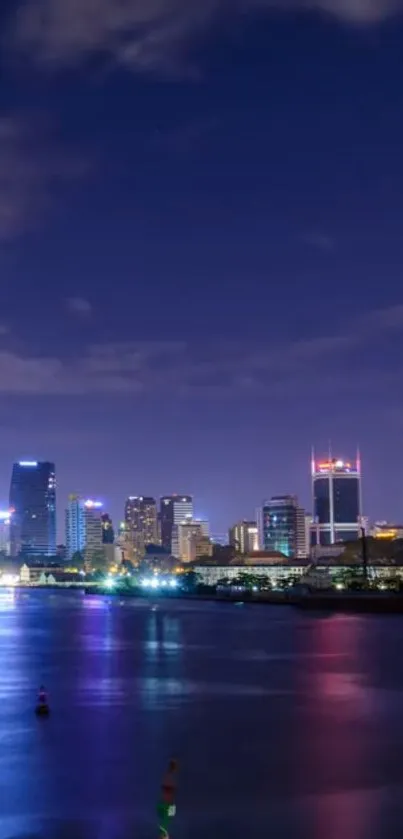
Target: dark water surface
point(285, 725)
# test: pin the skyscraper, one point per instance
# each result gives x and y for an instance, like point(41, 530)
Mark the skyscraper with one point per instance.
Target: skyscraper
point(75, 527)
point(244, 536)
point(142, 522)
point(84, 529)
point(33, 501)
point(280, 520)
point(173, 510)
point(336, 491)
point(93, 550)
point(108, 533)
point(5, 520)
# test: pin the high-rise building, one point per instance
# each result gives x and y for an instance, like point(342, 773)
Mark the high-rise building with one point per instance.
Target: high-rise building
point(33, 502)
point(84, 529)
point(192, 541)
point(173, 510)
point(142, 522)
point(280, 525)
point(108, 533)
point(303, 542)
point(93, 548)
point(336, 491)
point(5, 521)
point(244, 536)
point(75, 527)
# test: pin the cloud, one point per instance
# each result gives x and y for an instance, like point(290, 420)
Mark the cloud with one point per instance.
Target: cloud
point(324, 364)
point(150, 34)
point(29, 171)
point(79, 306)
point(320, 241)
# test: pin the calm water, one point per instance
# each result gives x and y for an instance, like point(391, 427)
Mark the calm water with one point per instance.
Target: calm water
point(285, 725)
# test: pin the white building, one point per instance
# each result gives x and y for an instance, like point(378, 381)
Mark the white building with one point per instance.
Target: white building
point(83, 528)
point(244, 536)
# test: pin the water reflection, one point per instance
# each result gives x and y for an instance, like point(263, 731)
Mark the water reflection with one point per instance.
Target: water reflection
point(332, 731)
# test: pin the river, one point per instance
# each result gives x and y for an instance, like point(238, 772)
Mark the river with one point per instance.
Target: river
point(285, 725)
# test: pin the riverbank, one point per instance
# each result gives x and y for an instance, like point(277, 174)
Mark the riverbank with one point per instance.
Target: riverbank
point(356, 602)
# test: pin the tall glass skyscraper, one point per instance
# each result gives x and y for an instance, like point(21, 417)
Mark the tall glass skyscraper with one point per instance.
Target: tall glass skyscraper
point(280, 525)
point(174, 509)
point(336, 490)
point(33, 502)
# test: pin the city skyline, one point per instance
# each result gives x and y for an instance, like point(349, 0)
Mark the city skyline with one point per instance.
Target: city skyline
point(203, 511)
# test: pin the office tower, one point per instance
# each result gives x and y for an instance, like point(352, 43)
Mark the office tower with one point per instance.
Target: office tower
point(5, 519)
point(142, 522)
point(108, 533)
point(173, 510)
point(244, 537)
point(33, 502)
point(336, 491)
point(192, 541)
point(93, 546)
point(303, 542)
point(75, 527)
point(280, 525)
point(84, 529)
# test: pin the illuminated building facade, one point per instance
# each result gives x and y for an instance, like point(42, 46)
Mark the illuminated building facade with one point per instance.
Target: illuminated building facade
point(33, 501)
point(141, 521)
point(173, 510)
point(385, 530)
point(75, 527)
point(336, 491)
point(192, 541)
point(283, 526)
point(84, 528)
point(108, 533)
point(5, 521)
point(93, 546)
point(244, 537)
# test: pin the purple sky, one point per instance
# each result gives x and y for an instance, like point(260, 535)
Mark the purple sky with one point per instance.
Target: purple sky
point(201, 246)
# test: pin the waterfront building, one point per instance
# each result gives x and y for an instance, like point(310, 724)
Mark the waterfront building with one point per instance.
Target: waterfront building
point(94, 553)
point(386, 530)
point(84, 533)
point(75, 527)
point(108, 533)
point(283, 526)
point(244, 536)
point(33, 505)
point(5, 522)
point(141, 522)
point(336, 495)
point(173, 510)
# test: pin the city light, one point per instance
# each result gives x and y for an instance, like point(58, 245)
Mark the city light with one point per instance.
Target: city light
point(5, 515)
point(9, 579)
point(92, 505)
point(155, 583)
point(28, 463)
point(110, 582)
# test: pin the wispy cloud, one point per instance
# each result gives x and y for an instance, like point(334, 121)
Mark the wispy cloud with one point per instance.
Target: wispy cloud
point(79, 306)
point(149, 34)
point(319, 240)
point(177, 368)
point(30, 167)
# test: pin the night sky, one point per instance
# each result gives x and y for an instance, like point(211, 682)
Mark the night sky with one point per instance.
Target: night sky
point(201, 246)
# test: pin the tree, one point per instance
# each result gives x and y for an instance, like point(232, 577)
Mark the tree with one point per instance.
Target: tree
point(77, 560)
point(98, 561)
point(190, 581)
